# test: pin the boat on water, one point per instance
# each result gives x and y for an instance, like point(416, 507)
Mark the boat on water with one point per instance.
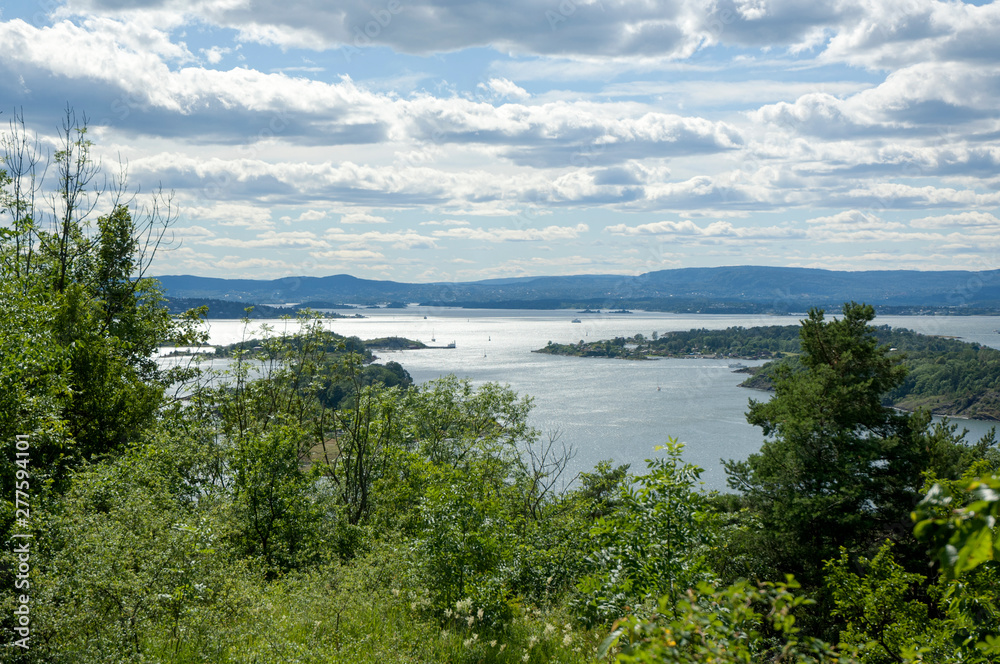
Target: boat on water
point(576, 320)
point(737, 365)
point(451, 345)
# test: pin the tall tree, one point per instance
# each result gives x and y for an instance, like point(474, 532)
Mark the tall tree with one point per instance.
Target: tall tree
point(73, 258)
point(838, 467)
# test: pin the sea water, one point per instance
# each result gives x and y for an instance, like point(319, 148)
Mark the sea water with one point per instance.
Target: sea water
point(603, 408)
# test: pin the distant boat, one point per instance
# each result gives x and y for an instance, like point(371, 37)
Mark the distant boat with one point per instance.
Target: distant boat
point(451, 345)
point(576, 320)
point(737, 365)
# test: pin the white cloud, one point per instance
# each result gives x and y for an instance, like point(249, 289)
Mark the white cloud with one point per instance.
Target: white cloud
point(271, 240)
point(398, 239)
point(983, 220)
point(547, 234)
point(312, 215)
point(362, 218)
point(718, 230)
point(348, 255)
point(854, 220)
point(445, 222)
point(215, 54)
point(240, 263)
point(252, 217)
point(502, 88)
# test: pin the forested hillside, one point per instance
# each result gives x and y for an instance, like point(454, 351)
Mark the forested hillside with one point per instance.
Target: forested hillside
point(297, 508)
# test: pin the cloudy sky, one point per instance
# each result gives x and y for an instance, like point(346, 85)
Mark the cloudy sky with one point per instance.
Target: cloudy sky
point(426, 140)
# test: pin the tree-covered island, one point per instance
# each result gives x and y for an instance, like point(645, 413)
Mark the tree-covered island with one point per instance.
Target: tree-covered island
point(944, 375)
point(742, 343)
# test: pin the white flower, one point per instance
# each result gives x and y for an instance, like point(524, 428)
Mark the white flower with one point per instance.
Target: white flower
point(526, 657)
point(447, 613)
point(549, 628)
point(480, 614)
point(470, 620)
point(568, 639)
point(493, 643)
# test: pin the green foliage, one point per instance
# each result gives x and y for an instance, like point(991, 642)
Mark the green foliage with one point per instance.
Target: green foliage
point(283, 515)
point(960, 521)
point(131, 573)
point(653, 545)
point(891, 615)
point(75, 299)
point(838, 467)
point(881, 611)
point(735, 342)
point(467, 545)
point(722, 626)
point(947, 376)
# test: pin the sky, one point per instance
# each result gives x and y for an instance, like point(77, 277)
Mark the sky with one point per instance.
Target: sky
point(444, 140)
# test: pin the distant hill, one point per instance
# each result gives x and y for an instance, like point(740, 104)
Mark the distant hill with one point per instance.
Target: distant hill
point(720, 289)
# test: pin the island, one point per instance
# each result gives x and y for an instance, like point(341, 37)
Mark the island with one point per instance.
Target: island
point(946, 376)
point(734, 343)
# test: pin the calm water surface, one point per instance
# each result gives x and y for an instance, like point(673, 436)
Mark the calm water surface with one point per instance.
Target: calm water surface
point(604, 408)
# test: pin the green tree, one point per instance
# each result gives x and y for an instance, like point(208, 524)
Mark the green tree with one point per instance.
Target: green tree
point(79, 276)
point(838, 466)
point(653, 545)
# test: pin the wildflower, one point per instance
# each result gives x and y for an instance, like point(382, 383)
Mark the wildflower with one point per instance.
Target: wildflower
point(447, 613)
point(532, 641)
point(493, 643)
point(502, 646)
point(464, 605)
point(395, 592)
point(480, 614)
point(525, 657)
point(470, 620)
point(549, 628)
point(567, 627)
point(568, 639)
